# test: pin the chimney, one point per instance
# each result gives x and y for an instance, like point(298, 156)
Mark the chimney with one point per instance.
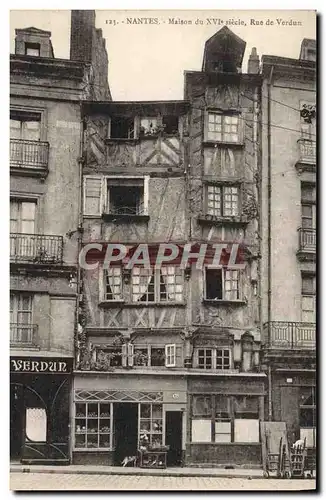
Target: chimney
point(253, 62)
point(81, 35)
point(33, 42)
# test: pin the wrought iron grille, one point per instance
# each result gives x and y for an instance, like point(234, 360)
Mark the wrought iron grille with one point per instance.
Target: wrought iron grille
point(31, 154)
point(37, 248)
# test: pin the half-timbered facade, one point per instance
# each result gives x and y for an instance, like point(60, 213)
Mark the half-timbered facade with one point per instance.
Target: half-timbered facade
point(171, 352)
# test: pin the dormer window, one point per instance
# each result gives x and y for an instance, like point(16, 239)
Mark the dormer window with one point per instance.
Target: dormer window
point(32, 49)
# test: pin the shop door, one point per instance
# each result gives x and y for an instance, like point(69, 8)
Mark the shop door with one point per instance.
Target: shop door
point(126, 430)
point(16, 421)
point(173, 436)
point(290, 411)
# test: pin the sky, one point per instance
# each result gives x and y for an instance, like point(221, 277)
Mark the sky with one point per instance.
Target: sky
point(146, 62)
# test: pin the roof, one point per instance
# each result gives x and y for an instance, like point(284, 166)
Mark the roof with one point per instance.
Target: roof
point(226, 41)
point(33, 30)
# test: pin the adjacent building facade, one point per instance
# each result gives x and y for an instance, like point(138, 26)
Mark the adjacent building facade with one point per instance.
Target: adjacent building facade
point(289, 240)
point(45, 131)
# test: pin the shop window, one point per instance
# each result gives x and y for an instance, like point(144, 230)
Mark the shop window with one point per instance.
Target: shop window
point(113, 284)
point(171, 124)
point(157, 285)
point(121, 127)
point(246, 419)
point(151, 425)
point(36, 424)
point(222, 201)
point(92, 425)
point(32, 49)
point(225, 419)
point(222, 284)
point(223, 128)
point(307, 415)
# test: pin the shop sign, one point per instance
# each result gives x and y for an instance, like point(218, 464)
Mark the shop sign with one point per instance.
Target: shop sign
point(40, 365)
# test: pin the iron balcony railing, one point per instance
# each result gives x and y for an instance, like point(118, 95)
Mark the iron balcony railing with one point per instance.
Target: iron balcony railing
point(36, 248)
point(29, 154)
point(307, 239)
point(22, 334)
point(290, 335)
point(307, 149)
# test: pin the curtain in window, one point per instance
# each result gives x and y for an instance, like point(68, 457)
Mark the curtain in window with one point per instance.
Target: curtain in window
point(140, 281)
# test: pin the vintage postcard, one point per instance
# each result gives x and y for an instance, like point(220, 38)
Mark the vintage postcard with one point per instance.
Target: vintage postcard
point(162, 250)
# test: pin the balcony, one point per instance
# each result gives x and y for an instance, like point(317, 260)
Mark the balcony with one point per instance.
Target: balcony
point(307, 244)
point(29, 157)
point(307, 156)
point(36, 248)
point(284, 335)
point(23, 335)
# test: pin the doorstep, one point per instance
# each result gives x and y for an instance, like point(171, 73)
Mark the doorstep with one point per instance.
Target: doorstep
point(136, 471)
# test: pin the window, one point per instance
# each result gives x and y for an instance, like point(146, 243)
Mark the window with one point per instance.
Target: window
point(32, 49)
point(110, 356)
point(92, 425)
point(222, 284)
point(171, 124)
point(308, 299)
point(218, 418)
point(22, 216)
point(115, 196)
point(307, 415)
point(308, 121)
point(151, 425)
point(222, 201)
point(148, 126)
point(21, 329)
point(157, 285)
point(308, 206)
point(25, 125)
point(122, 127)
point(113, 284)
point(149, 355)
point(211, 358)
point(223, 128)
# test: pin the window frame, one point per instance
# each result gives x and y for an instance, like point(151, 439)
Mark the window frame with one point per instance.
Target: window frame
point(103, 285)
point(213, 357)
point(109, 418)
point(222, 187)
point(148, 348)
point(223, 115)
point(307, 296)
point(21, 111)
point(156, 275)
point(223, 270)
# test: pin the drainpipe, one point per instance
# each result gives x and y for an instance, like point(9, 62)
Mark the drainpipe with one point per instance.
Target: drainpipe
point(269, 231)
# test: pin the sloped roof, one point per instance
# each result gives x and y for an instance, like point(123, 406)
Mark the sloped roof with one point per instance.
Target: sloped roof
point(225, 40)
point(33, 30)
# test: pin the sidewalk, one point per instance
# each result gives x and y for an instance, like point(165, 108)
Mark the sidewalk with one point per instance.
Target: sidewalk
point(136, 471)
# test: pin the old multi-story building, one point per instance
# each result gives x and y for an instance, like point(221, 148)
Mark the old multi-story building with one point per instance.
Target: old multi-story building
point(289, 239)
point(169, 355)
point(45, 176)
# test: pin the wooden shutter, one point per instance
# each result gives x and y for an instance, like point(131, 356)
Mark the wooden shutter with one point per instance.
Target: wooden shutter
point(170, 355)
point(124, 350)
point(93, 195)
point(130, 351)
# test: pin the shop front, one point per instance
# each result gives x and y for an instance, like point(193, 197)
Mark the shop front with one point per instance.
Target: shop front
point(140, 416)
point(39, 409)
point(224, 418)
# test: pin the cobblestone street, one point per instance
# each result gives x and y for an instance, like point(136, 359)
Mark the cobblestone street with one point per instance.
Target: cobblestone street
point(42, 481)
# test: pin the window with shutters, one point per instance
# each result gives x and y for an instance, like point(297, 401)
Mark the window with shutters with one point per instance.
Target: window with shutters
point(222, 200)
point(168, 355)
point(93, 196)
point(224, 128)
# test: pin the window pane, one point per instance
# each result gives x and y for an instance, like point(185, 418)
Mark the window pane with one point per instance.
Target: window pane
point(202, 405)
point(246, 431)
point(36, 424)
point(201, 431)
